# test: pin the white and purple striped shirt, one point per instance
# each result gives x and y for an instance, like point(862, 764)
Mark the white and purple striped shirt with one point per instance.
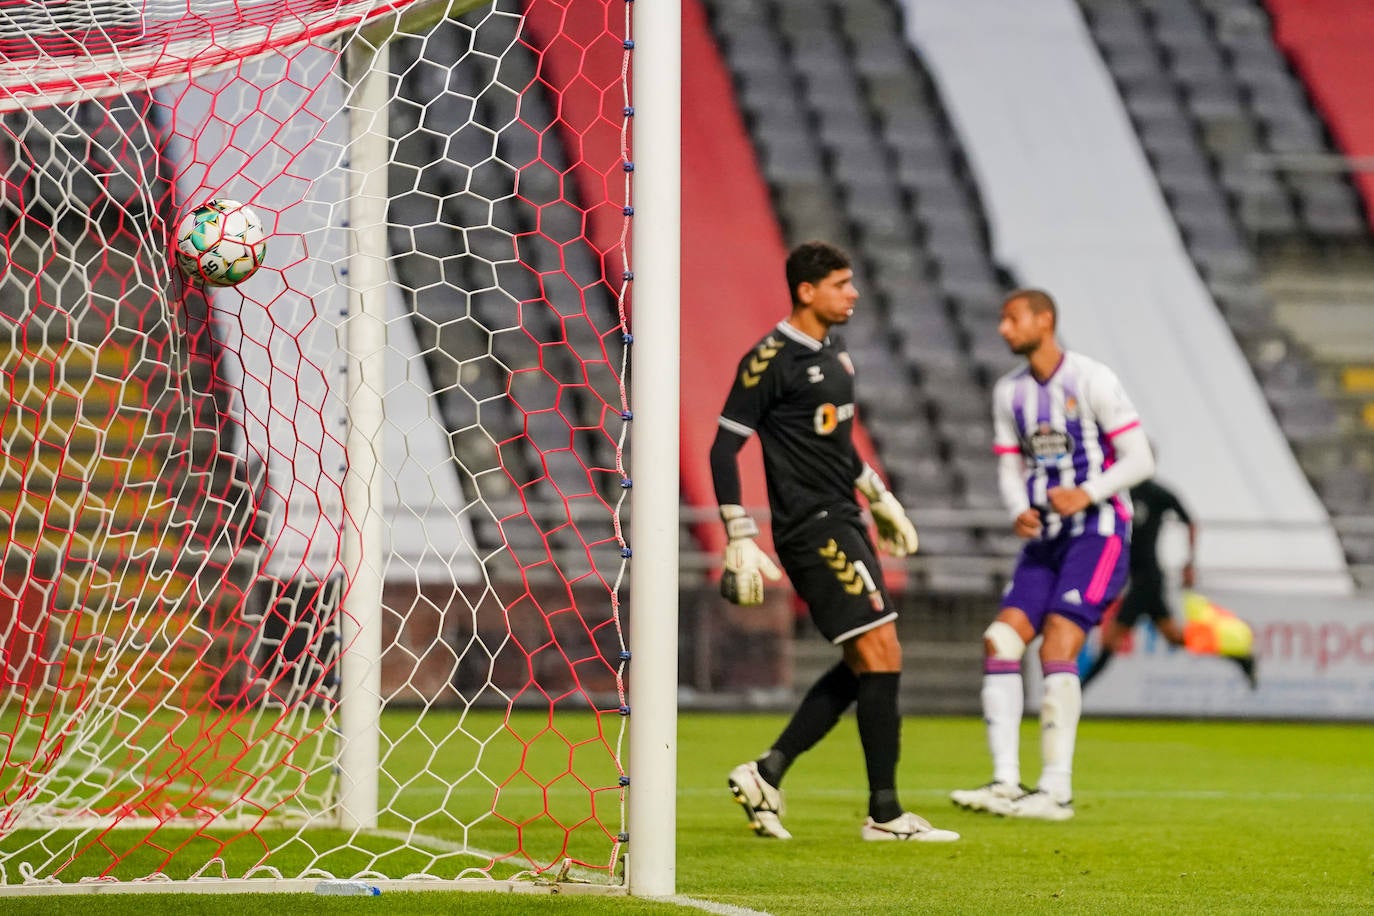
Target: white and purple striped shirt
point(1063, 430)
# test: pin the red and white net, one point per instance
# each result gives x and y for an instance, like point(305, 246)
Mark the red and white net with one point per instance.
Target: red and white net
point(172, 499)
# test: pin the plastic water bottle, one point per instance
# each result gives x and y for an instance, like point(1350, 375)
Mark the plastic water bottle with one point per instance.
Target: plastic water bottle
point(347, 889)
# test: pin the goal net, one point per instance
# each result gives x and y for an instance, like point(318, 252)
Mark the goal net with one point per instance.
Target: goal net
point(318, 576)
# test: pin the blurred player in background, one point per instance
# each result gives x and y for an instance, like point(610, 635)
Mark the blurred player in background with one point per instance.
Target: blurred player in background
point(1070, 443)
point(1145, 594)
point(795, 389)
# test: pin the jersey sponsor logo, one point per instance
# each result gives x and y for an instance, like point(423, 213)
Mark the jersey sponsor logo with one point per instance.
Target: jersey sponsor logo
point(1049, 444)
point(814, 374)
point(758, 363)
point(1071, 407)
point(828, 417)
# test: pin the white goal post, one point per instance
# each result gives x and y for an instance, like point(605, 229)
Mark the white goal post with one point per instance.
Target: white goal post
point(319, 578)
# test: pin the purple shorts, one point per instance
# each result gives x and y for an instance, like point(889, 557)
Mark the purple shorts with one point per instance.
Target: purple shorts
point(1073, 576)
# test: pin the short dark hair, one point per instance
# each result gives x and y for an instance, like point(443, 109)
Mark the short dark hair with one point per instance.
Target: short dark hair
point(812, 262)
point(1037, 300)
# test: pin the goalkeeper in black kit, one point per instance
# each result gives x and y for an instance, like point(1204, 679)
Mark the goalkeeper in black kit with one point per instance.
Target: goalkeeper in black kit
point(795, 390)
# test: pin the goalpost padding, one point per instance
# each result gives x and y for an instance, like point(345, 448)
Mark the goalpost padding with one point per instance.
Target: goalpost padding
point(187, 559)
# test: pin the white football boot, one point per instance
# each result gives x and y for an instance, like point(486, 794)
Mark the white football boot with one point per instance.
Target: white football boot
point(907, 826)
point(994, 798)
point(1042, 806)
point(762, 803)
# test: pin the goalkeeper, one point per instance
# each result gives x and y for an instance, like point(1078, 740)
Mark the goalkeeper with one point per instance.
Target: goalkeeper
point(795, 389)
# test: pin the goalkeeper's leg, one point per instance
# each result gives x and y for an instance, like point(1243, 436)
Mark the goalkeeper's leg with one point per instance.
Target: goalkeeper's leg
point(833, 570)
point(830, 570)
point(757, 785)
point(820, 709)
point(877, 655)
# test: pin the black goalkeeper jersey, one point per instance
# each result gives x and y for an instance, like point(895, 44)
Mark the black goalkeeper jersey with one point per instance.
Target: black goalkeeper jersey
point(1151, 500)
point(797, 393)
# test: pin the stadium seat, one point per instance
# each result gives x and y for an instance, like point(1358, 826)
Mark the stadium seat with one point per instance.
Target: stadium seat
point(1263, 205)
point(944, 542)
point(1304, 414)
point(1347, 491)
point(1360, 549)
point(923, 330)
point(914, 438)
point(980, 489)
point(922, 481)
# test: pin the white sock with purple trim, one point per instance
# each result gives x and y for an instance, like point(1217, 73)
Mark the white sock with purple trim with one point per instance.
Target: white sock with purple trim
point(1004, 701)
point(1060, 710)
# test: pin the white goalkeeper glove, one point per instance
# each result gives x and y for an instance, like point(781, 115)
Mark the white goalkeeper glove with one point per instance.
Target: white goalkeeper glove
point(746, 565)
point(896, 533)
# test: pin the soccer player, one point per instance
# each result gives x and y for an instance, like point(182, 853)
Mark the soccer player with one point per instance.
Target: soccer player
point(1145, 593)
point(795, 389)
point(1070, 443)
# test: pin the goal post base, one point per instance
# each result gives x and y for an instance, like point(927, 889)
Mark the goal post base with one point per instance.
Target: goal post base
point(321, 886)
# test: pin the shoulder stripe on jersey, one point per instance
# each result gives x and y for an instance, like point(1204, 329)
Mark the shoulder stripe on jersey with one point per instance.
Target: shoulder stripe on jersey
point(738, 429)
point(1006, 450)
point(758, 363)
point(1113, 433)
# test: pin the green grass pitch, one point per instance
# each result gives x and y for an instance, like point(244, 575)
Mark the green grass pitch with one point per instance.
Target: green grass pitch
point(1172, 817)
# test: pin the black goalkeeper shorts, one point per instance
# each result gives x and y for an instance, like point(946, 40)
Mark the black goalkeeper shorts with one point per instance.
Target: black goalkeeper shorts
point(1144, 598)
point(834, 569)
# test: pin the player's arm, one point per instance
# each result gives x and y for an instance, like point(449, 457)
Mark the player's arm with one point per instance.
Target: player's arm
point(1189, 573)
point(1011, 469)
point(1011, 481)
point(1135, 464)
point(745, 565)
point(756, 388)
point(1135, 461)
point(896, 533)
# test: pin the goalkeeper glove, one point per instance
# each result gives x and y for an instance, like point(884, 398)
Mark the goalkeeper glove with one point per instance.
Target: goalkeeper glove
point(896, 533)
point(746, 565)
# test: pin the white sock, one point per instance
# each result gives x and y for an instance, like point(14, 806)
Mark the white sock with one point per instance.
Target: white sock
point(1059, 714)
point(1004, 699)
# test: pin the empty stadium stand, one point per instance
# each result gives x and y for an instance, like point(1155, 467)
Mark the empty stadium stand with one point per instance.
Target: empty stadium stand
point(478, 336)
point(1326, 295)
point(1273, 221)
point(856, 146)
point(1074, 205)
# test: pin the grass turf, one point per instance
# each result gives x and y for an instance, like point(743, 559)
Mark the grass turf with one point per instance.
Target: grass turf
point(1216, 817)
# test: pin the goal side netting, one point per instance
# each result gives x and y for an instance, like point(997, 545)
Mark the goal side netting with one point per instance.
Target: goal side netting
point(322, 575)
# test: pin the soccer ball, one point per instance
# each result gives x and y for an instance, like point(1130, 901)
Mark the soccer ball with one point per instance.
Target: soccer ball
point(220, 243)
